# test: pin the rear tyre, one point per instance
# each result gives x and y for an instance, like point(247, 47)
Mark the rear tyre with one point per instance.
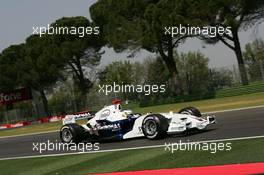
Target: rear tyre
point(155, 126)
point(71, 133)
point(191, 111)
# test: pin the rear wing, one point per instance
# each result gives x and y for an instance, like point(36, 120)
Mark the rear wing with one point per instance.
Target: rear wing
point(72, 118)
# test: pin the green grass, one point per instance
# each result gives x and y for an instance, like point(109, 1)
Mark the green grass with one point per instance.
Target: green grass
point(255, 87)
point(211, 104)
point(204, 105)
point(240, 90)
point(243, 151)
point(31, 129)
point(36, 128)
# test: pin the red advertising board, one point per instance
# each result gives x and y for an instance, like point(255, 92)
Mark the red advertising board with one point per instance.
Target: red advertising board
point(15, 96)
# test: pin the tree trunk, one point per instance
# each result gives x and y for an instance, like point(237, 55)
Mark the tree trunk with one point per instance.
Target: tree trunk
point(45, 102)
point(81, 77)
point(83, 86)
point(176, 83)
point(171, 65)
point(241, 64)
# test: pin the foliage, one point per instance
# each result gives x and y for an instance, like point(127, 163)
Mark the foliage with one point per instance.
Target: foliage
point(254, 58)
point(156, 72)
point(135, 25)
point(34, 64)
point(41, 67)
point(221, 78)
point(80, 53)
point(119, 72)
point(238, 14)
point(40, 62)
point(9, 74)
point(194, 72)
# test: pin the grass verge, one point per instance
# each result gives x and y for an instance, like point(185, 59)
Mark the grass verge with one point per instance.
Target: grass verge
point(36, 128)
point(204, 105)
point(243, 151)
point(211, 104)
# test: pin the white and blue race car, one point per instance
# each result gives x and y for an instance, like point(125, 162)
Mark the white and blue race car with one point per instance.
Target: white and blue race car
point(112, 122)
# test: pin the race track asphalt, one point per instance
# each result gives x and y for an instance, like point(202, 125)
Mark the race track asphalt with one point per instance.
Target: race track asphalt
point(231, 124)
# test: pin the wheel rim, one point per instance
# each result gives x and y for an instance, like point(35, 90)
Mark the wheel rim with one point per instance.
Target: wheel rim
point(67, 135)
point(151, 127)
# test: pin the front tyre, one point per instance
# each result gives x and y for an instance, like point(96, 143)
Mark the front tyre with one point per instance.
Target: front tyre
point(155, 126)
point(191, 111)
point(71, 133)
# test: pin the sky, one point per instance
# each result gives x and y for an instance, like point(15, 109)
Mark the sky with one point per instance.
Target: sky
point(18, 17)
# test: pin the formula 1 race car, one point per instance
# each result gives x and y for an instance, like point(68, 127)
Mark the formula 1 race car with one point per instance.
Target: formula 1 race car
point(112, 122)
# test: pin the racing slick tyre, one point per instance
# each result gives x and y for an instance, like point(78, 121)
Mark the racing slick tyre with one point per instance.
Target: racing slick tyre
point(155, 126)
point(191, 111)
point(71, 133)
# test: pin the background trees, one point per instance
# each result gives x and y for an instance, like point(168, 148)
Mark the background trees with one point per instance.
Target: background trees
point(254, 58)
point(119, 72)
point(134, 25)
point(194, 72)
point(122, 73)
point(42, 61)
point(80, 53)
point(34, 64)
point(221, 78)
point(41, 67)
point(239, 15)
point(8, 66)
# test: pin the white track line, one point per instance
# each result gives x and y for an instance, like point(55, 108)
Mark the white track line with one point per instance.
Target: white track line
point(236, 109)
point(228, 110)
point(132, 148)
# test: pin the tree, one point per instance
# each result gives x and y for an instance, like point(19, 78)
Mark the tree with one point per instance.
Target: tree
point(221, 78)
point(80, 53)
point(34, 64)
point(156, 72)
point(134, 25)
point(237, 14)
point(41, 66)
point(9, 74)
point(254, 58)
point(194, 72)
point(121, 73)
